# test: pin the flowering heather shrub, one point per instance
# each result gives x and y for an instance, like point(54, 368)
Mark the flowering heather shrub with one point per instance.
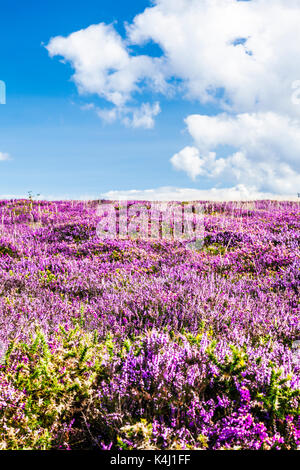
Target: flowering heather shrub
point(7, 248)
point(136, 344)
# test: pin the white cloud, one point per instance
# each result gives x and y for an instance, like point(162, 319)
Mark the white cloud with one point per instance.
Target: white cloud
point(244, 56)
point(143, 117)
point(264, 150)
point(103, 66)
point(87, 106)
point(188, 160)
point(247, 49)
point(108, 115)
point(93, 52)
point(4, 156)
point(261, 133)
point(132, 116)
point(236, 193)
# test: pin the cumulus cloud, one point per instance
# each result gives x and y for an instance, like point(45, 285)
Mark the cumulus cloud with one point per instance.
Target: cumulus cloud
point(243, 56)
point(259, 133)
point(144, 116)
point(132, 116)
point(264, 150)
point(104, 66)
point(4, 156)
point(188, 160)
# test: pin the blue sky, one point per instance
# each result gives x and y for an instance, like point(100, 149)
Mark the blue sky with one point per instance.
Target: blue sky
point(58, 149)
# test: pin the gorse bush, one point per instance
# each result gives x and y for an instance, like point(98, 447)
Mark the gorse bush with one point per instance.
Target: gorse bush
point(155, 391)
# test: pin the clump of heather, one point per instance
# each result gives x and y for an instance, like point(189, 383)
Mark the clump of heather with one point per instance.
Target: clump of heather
point(147, 344)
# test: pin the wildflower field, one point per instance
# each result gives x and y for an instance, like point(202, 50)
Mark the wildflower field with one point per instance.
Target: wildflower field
point(147, 344)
